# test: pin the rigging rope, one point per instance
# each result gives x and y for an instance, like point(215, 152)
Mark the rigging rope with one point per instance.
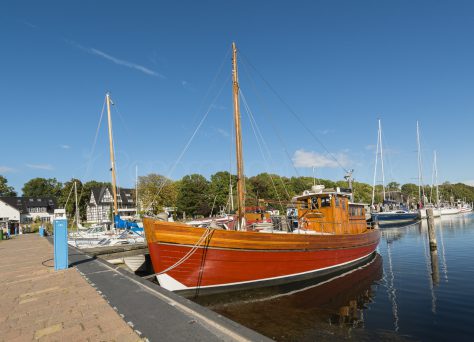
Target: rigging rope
point(95, 140)
point(193, 250)
point(186, 147)
point(306, 127)
point(270, 118)
point(255, 129)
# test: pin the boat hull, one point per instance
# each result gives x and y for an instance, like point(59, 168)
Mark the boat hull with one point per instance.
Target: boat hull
point(389, 220)
point(450, 211)
point(423, 214)
point(231, 260)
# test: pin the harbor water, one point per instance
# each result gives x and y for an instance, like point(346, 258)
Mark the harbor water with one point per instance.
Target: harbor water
point(405, 293)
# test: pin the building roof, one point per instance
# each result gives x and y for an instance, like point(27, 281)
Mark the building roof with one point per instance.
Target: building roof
point(23, 203)
point(126, 197)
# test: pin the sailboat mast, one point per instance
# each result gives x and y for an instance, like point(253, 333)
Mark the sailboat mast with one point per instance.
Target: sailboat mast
point(381, 159)
point(375, 168)
point(436, 179)
point(136, 188)
point(420, 173)
point(112, 157)
point(238, 143)
point(77, 207)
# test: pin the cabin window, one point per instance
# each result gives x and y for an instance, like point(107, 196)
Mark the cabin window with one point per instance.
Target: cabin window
point(314, 203)
point(304, 204)
point(325, 202)
point(337, 201)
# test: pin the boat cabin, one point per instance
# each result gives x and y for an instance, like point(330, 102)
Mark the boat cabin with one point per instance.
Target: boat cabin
point(329, 211)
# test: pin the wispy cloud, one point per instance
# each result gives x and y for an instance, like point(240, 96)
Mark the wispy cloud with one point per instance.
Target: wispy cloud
point(223, 132)
point(218, 107)
point(65, 147)
point(116, 60)
point(40, 166)
point(326, 131)
point(187, 85)
point(27, 23)
point(6, 169)
point(302, 158)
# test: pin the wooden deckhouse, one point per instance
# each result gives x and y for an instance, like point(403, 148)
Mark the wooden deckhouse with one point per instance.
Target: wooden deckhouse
point(329, 211)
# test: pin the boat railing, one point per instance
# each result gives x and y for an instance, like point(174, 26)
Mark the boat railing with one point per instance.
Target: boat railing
point(284, 224)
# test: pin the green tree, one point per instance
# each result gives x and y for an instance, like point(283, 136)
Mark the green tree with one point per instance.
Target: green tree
point(194, 196)
point(42, 187)
point(5, 189)
point(155, 192)
point(67, 198)
point(393, 186)
point(410, 191)
point(219, 189)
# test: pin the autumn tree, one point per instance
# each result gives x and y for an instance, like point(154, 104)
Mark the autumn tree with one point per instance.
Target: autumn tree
point(155, 192)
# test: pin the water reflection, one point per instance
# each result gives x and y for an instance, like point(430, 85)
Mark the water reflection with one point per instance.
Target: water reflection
point(407, 296)
point(333, 307)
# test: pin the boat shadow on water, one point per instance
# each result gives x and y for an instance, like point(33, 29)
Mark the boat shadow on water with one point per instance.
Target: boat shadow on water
point(304, 310)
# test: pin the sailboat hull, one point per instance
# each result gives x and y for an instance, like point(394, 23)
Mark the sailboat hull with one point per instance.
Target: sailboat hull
point(233, 260)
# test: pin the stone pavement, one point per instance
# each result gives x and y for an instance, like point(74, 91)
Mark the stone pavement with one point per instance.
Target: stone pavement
point(37, 303)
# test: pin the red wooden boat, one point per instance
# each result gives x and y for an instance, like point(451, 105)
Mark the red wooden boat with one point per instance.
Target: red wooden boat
point(190, 260)
point(327, 234)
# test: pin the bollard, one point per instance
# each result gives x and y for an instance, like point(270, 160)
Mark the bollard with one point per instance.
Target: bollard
point(61, 261)
point(431, 229)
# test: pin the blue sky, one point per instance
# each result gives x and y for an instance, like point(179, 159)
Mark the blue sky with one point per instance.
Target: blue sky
point(339, 65)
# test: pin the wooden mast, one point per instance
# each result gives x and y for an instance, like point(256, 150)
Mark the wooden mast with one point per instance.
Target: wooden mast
point(238, 143)
point(112, 157)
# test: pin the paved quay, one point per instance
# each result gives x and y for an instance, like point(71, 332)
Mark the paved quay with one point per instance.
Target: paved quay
point(37, 303)
point(135, 307)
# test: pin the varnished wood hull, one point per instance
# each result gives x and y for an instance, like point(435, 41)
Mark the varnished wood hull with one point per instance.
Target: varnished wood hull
point(231, 260)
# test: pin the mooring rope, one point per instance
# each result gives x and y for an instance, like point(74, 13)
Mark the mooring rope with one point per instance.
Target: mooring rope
point(193, 250)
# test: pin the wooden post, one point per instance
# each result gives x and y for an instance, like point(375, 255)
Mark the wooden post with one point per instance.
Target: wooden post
point(434, 266)
point(431, 228)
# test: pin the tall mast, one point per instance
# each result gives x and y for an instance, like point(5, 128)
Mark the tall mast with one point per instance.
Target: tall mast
point(421, 191)
point(136, 188)
point(375, 168)
point(238, 143)
point(112, 157)
point(436, 178)
point(379, 144)
point(77, 207)
point(381, 159)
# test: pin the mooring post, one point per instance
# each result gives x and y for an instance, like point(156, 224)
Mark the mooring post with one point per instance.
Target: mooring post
point(434, 266)
point(61, 261)
point(431, 228)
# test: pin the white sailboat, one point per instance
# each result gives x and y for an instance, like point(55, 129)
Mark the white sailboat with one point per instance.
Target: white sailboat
point(422, 205)
point(396, 216)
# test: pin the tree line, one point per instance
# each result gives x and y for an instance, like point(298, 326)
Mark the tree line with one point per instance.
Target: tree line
point(196, 195)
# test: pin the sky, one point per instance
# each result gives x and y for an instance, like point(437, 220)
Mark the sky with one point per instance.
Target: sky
point(314, 77)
